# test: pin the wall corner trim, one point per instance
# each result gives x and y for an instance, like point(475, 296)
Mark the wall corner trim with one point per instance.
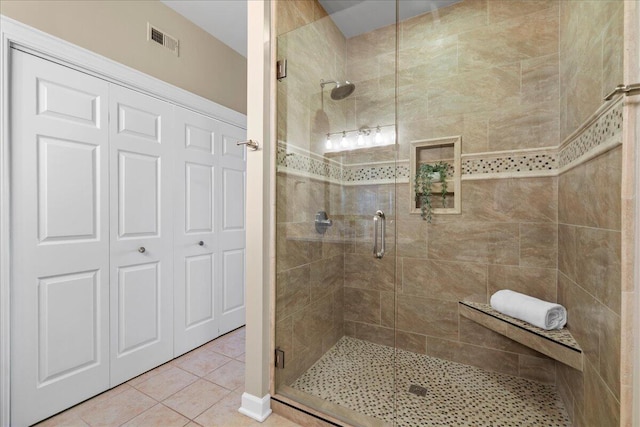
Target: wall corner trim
point(255, 407)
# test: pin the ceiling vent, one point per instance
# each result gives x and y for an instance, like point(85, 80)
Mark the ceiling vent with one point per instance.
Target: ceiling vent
point(156, 35)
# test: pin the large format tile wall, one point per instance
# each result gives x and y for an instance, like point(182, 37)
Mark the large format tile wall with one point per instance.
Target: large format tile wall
point(486, 70)
point(505, 76)
point(589, 215)
point(309, 266)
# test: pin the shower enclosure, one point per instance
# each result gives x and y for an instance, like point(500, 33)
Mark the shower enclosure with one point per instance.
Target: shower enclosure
point(368, 325)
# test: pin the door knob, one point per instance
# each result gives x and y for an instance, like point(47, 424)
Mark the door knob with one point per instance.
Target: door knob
point(201, 243)
point(141, 249)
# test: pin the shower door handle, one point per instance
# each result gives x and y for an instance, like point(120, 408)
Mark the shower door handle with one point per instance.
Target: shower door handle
point(379, 218)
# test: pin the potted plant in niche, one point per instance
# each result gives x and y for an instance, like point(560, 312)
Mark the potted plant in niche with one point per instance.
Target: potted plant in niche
point(426, 175)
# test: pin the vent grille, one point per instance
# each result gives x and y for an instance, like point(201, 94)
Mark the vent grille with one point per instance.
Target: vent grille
point(158, 36)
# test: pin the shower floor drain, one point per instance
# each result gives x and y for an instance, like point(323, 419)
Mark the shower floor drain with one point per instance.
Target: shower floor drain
point(418, 390)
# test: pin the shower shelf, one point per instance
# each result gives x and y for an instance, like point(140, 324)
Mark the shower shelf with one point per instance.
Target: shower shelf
point(557, 344)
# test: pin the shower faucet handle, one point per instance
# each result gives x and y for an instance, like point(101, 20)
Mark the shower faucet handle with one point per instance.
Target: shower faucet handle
point(322, 222)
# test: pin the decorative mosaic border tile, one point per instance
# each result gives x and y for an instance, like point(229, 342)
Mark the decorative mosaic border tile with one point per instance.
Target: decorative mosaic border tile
point(597, 132)
point(388, 172)
point(297, 161)
point(603, 128)
point(510, 163)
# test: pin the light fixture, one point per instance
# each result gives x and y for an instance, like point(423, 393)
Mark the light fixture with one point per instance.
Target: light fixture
point(355, 139)
point(328, 145)
point(378, 135)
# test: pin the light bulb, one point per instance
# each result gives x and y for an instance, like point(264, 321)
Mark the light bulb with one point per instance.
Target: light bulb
point(378, 136)
point(343, 142)
point(328, 145)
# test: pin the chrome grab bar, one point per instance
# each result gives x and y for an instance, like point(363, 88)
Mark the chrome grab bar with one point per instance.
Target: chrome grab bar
point(379, 216)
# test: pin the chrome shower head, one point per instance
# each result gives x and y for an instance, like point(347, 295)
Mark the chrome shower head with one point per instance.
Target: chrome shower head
point(342, 89)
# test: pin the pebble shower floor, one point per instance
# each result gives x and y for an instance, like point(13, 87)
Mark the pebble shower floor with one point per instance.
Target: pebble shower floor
point(360, 376)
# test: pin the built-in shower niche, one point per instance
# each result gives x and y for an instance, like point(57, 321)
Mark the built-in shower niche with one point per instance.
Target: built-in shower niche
point(434, 151)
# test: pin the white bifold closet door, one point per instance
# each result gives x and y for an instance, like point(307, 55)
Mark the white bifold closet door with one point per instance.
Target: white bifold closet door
point(141, 155)
point(232, 234)
point(60, 238)
point(127, 234)
point(209, 230)
point(196, 253)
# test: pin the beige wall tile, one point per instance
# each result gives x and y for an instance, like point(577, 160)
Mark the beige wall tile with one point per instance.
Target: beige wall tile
point(574, 380)
point(598, 264)
point(411, 342)
point(375, 334)
point(583, 315)
point(311, 324)
point(455, 19)
point(500, 10)
point(411, 238)
point(429, 59)
point(501, 200)
point(540, 369)
point(509, 41)
point(427, 316)
point(567, 251)
point(529, 125)
point(451, 281)
point(388, 309)
point(362, 305)
point(537, 282)
point(539, 245)
point(475, 242)
point(603, 202)
point(291, 251)
point(601, 406)
point(541, 80)
point(474, 91)
point(610, 339)
point(585, 27)
point(292, 290)
point(485, 358)
point(326, 276)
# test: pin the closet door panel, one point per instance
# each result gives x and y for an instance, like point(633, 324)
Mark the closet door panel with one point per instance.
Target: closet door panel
point(60, 243)
point(231, 195)
point(198, 290)
point(139, 323)
point(198, 193)
point(196, 257)
point(141, 154)
point(138, 194)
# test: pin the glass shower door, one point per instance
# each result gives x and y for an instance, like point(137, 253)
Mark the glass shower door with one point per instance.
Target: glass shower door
point(336, 209)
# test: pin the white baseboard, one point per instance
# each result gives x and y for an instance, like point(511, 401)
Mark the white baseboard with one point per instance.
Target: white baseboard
point(254, 407)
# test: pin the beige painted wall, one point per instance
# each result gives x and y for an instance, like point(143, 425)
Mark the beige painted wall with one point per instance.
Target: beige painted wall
point(117, 30)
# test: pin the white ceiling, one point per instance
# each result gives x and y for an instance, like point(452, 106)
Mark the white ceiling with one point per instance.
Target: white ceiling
point(226, 20)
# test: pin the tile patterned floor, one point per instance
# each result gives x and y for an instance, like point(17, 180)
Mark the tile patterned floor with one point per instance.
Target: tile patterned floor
point(359, 375)
point(201, 388)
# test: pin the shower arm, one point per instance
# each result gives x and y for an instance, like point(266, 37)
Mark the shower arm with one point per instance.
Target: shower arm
point(326, 82)
point(322, 84)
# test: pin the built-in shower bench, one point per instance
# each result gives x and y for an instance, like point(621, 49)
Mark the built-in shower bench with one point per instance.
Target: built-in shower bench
point(557, 344)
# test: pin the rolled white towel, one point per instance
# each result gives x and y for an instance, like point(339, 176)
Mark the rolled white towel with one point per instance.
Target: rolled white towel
point(543, 314)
